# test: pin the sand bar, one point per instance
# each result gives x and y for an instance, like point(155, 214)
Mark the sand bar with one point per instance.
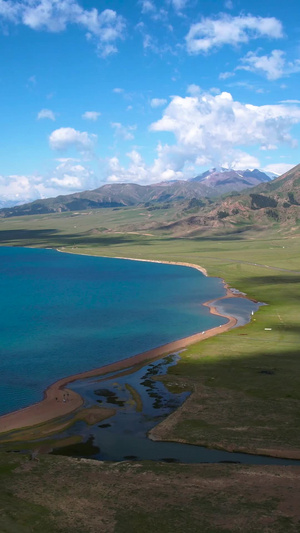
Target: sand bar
point(59, 401)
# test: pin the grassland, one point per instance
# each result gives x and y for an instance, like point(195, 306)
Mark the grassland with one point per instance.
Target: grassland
point(246, 396)
point(59, 494)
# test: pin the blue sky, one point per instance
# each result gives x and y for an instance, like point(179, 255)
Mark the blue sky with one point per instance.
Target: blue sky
point(143, 91)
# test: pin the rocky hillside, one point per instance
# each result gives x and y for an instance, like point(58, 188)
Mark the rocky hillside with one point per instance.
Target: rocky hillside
point(275, 202)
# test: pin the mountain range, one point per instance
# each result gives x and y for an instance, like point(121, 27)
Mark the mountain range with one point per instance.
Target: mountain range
point(231, 180)
point(210, 184)
point(270, 203)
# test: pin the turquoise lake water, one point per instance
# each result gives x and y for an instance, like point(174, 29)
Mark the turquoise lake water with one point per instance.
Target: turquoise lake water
point(61, 314)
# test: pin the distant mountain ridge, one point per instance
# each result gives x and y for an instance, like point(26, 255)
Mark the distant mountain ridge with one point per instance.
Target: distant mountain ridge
point(211, 184)
point(230, 179)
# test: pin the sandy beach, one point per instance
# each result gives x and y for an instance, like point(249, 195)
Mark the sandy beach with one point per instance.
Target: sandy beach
point(59, 401)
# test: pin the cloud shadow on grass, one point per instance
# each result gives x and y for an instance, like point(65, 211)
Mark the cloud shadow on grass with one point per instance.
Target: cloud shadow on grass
point(52, 237)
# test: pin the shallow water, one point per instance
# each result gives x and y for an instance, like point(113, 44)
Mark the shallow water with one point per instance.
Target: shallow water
point(124, 435)
point(241, 308)
point(62, 314)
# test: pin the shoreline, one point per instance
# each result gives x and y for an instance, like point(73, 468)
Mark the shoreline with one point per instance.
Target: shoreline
point(159, 261)
point(59, 400)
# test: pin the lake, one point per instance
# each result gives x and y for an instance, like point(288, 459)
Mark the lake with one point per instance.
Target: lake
point(62, 314)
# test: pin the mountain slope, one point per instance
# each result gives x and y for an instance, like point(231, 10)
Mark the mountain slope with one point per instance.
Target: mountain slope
point(231, 180)
point(210, 184)
point(275, 202)
point(110, 195)
point(282, 193)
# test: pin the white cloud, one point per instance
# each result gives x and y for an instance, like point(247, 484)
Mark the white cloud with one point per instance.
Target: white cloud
point(46, 113)
point(91, 115)
point(226, 75)
point(216, 32)
point(138, 172)
point(248, 86)
point(125, 132)
point(274, 66)
point(278, 168)
point(228, 4)
point(210, 130)
point(147, 6)
point(207, 123)
point(151, 41)
point(241, 161)
point(68, 177)
point(158, 102)
point(16, 188)
point(104, 27)
point(178, 5)
point(193, 89)
point(148, 43)
point(64, 138)
point(118, 90)
point(67, 159)
point(71, 176)
point(135, 172)
point(290, 102)
point(214, 127)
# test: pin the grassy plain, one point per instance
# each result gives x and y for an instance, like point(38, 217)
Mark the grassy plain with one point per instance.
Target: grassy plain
point(246, 396)
point(59, 494)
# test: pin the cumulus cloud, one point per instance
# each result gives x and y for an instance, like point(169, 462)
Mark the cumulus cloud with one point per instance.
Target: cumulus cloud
point(273, 66)
point(216, 125)
point(91, 115)
point(209, 130)
point(68, 177)
point(46, 113)
point(64, 138)
point(213, 33)
point(104, 27)
point(16, 189)
point(138, 171)
point(125, 132)
point(158, 102)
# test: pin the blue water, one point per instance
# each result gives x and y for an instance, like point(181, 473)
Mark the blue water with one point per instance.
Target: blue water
point(61, 314)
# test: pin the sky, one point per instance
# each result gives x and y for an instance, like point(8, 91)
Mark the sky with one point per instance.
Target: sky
point(142, 91)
